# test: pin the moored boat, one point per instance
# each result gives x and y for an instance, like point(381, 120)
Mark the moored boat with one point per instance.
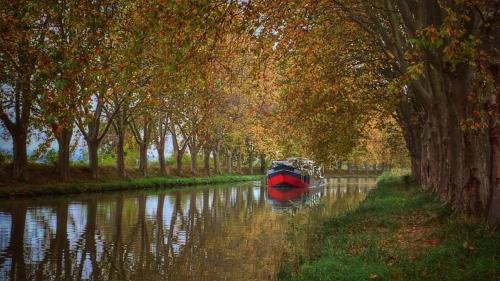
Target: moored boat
point(293, 172)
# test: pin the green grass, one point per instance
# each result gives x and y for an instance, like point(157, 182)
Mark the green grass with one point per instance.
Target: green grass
point(156, 182)
point(400, 233)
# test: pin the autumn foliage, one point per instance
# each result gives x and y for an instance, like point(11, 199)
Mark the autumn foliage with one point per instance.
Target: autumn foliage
point(359, 81)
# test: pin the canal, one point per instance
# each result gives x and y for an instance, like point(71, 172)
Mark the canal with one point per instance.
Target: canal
point(226, 232)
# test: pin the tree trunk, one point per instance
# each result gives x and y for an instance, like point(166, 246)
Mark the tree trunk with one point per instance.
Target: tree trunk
point(161, 157)
point(229, 161)
point(20, 154)
point(194, 163)
point(215, 154)
point(494, 204)
point(93, 147)
point(193, 151)
point(93, 134)
point(142, 138)
point(262, 163)
point(174, 153)
point(238, 161)
point(120, 153)
point(250, 161)
point(120, 127)
point(162, 129)
point(64, 140)
point(493, 208)
point(175, 145)
point(453, 162)
point(22, 107)
point(206, 161)
point(177, 154)
point(178, 162)
point(143, 158)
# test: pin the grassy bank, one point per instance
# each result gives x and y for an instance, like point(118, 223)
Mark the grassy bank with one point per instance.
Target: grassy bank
point(400, 233)
point(116, 185)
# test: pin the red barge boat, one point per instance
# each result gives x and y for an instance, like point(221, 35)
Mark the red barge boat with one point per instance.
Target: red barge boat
point(293, 172)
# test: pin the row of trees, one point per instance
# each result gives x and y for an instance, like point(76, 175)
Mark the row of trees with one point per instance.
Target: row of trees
point(428, 66)
point(117, 71)
point(331, 79)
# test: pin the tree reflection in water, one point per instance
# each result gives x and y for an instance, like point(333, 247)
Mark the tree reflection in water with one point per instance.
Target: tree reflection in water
point(214, 233)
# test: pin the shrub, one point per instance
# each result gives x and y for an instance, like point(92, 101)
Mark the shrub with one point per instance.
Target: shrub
point(5, 157)
point(51, 157)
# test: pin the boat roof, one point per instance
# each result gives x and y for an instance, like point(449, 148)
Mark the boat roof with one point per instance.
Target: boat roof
point(294, 159)
point(303, 159)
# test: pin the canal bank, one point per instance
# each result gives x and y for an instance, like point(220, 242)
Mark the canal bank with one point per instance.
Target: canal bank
point(398, 233)
point(119, 185)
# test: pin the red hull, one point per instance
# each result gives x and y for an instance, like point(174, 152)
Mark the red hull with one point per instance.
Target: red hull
point(284, 179)
point(285, 195)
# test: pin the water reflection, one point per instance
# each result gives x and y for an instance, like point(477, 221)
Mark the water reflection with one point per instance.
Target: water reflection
point(215, 233)
point(291, 199)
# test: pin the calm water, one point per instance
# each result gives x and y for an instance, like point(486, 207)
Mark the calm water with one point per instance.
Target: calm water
point(227, 232)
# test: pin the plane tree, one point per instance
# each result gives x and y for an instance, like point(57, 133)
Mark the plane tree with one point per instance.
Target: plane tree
point(23, 32)
point(65, 54)
point(99, 79)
